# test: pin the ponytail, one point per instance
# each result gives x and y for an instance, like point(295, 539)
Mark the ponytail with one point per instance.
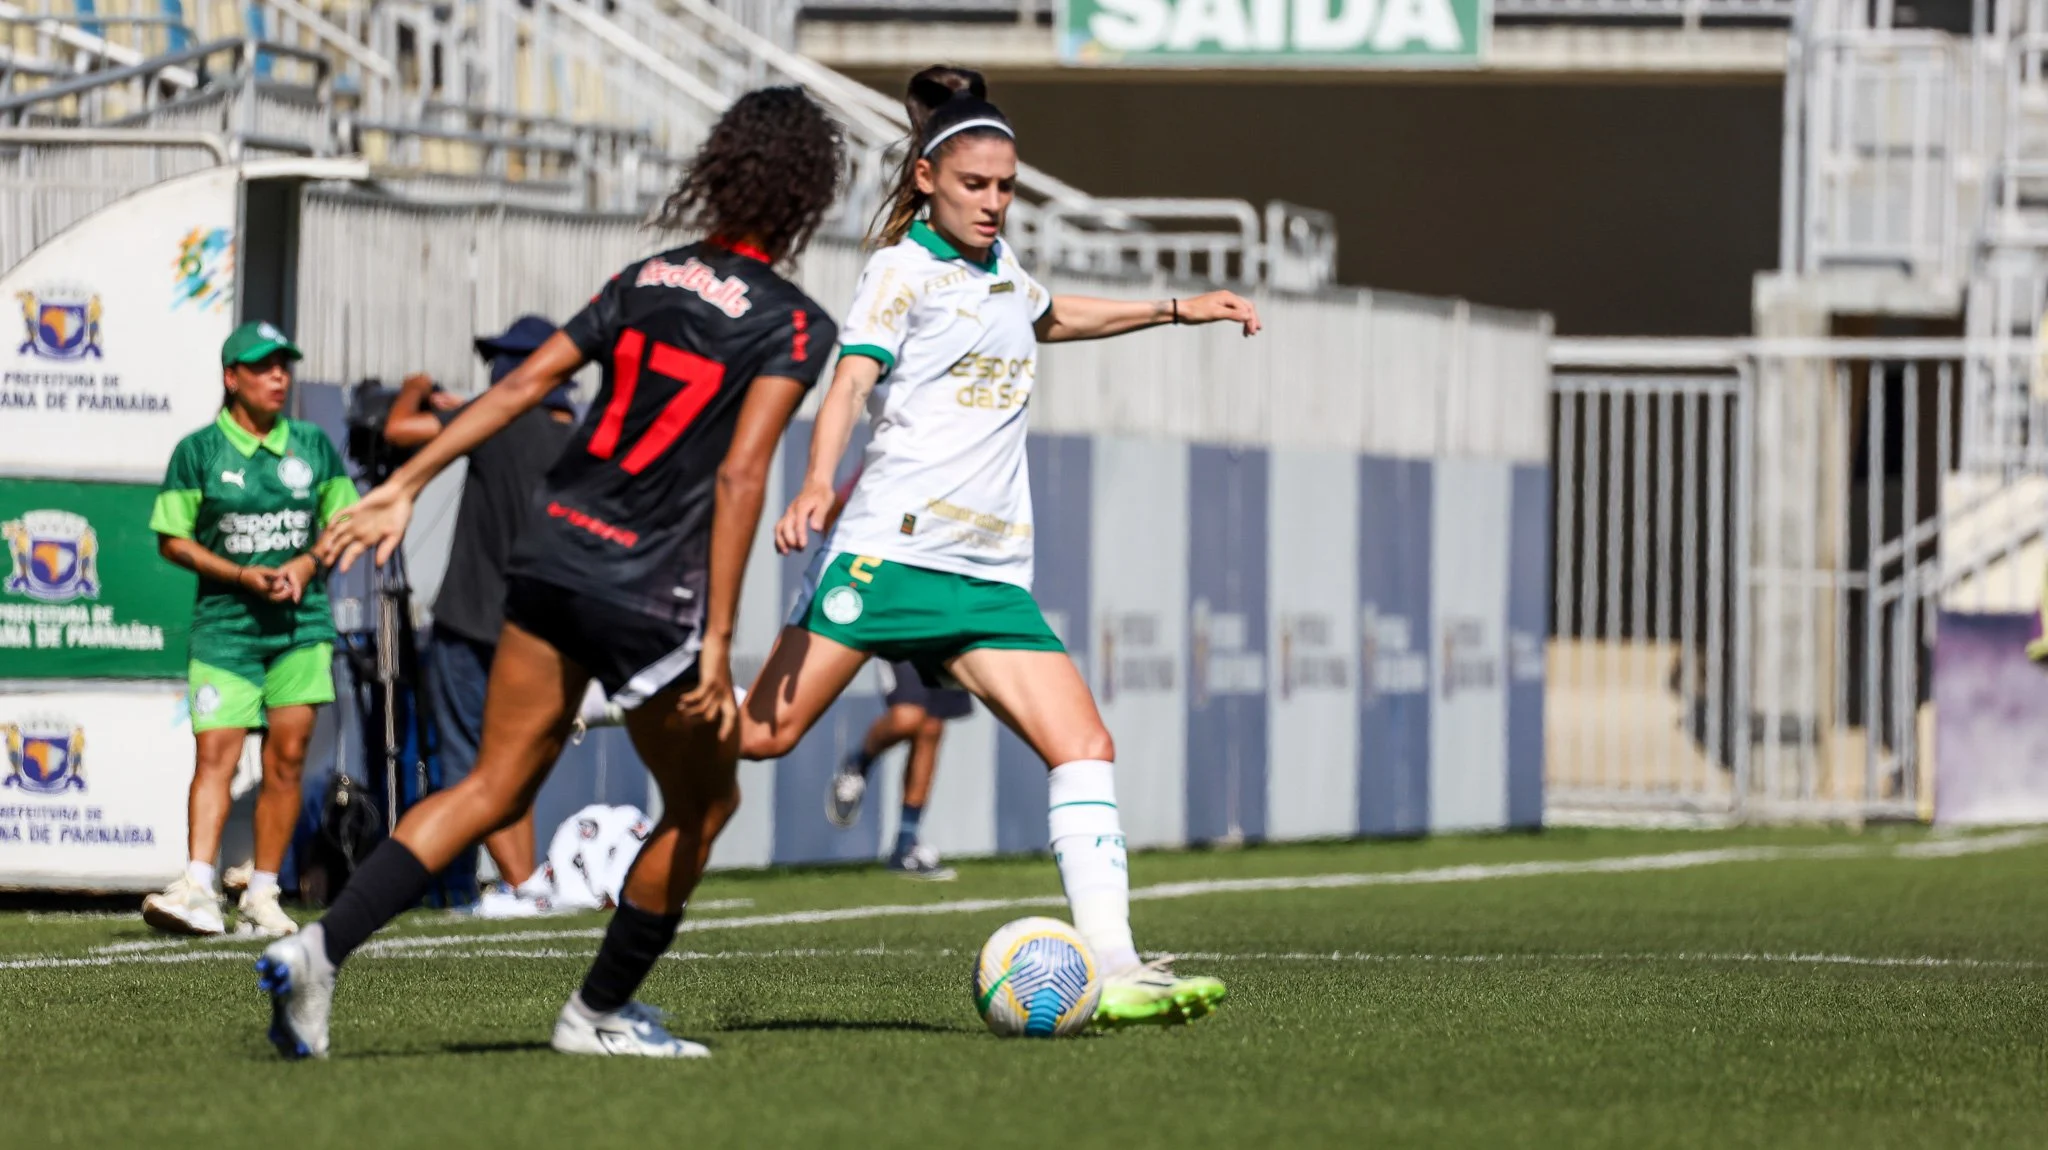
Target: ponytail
point(943, 103)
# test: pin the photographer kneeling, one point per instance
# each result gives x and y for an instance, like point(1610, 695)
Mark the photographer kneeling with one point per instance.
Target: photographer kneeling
point(504, 472)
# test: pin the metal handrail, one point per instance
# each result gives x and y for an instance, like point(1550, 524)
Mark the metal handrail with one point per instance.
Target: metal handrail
point(221, 146)
point(1572, 353)
point(624, 133)
point(848, 95)
point(341, 41)
point(75, 37)
point(1245, 240)
point(1692, 12)
point(17, 16)
point(708, 97)
point(484, 140)
point(157, 66)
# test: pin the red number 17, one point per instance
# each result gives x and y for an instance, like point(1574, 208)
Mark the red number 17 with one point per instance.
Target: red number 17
point(700, 378)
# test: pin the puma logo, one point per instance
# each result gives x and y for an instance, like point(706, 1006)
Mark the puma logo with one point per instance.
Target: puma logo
point(234, 477)
point(963, 313)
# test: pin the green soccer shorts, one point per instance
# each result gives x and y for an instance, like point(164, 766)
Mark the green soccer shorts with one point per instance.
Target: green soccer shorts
point(914, 615)
point(236, 692)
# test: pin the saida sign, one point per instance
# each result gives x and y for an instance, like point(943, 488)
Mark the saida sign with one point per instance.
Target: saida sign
point(1274, 33)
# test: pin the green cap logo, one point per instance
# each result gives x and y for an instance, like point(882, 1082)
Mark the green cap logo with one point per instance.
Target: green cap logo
point(253, 342)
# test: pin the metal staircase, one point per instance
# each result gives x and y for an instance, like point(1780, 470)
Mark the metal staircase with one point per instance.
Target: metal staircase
point(580, 105)
point(1917, 186)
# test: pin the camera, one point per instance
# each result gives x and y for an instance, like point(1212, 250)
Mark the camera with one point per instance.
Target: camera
point(369, 405)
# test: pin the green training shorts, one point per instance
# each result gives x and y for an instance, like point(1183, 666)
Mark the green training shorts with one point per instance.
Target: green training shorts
point(914, 615)
point(238, 694)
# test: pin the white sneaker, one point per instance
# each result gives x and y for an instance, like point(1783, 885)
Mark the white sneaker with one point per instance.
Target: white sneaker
point(184, 907)
point(295, 972)
point(261, 915)
point(235, 879)
point(634, 1030)
point(843, 798)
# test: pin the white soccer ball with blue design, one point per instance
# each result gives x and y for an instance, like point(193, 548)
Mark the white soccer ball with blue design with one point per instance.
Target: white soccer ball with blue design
point(1036, 979)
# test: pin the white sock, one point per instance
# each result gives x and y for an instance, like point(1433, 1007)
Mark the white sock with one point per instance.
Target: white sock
point(261, 881)
point(1088, 845)
point(199, 873)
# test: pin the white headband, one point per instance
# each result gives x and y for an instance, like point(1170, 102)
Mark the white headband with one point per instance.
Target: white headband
point(963, 126)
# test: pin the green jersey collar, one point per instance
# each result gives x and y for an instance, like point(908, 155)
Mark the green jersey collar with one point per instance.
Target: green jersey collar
point(936, 244)
point(240, 439)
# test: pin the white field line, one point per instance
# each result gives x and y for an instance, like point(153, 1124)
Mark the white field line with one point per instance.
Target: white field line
point(1969, 844)
point(1764, 957)
point(482, 948)
point(425, 945)
point(724, 904)
point(1928, 962)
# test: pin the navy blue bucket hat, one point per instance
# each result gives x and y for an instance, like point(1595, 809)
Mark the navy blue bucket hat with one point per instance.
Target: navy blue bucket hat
point(509, 348)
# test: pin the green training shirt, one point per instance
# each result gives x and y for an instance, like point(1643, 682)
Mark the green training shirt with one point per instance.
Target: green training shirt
point(258, 503)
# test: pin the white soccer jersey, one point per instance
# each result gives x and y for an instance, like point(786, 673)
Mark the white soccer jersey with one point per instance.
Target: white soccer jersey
point(945, 485)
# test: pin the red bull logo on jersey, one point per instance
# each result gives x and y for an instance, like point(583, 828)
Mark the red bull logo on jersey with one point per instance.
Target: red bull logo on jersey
point(46, 754)
point(60, 322)
point(726, 293)
point(55, 556)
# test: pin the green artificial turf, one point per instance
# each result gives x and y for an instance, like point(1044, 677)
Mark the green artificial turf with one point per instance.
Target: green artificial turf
point(1784, 988)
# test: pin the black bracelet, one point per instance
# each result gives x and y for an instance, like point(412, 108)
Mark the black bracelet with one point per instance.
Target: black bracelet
point(1176, 311)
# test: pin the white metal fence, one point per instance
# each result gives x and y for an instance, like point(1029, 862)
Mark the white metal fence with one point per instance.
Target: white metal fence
point(1645, 472)
point(50, 180)
point(388, 288)
point(1753, 542)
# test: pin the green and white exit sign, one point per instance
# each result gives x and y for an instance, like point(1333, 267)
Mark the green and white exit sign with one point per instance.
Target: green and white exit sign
point(1274, 33)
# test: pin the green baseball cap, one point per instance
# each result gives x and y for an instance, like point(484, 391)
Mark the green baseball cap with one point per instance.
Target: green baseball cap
point(254, 341)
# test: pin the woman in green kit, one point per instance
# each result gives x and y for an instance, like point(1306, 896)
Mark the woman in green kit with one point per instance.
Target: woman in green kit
point(243, 500)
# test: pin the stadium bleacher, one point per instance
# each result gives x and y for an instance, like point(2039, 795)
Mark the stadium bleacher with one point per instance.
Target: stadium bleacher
point(553, 104)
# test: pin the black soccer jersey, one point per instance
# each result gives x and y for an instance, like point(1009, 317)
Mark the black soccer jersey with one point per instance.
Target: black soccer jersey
point(625, 514)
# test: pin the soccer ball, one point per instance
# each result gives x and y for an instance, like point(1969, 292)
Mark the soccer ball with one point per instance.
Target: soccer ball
point(1036, 979)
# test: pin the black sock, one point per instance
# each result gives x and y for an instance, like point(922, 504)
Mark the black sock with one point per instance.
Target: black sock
point(390, 880)
point(633, 943)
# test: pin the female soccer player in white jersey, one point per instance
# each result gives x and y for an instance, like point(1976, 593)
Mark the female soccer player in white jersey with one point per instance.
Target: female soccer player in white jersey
point(931, 560)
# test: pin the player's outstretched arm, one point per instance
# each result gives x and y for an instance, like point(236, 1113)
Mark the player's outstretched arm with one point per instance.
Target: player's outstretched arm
point(378, 523)
point(1079, 317)
point(852, 381)
point(735, 514)
point(515, 395)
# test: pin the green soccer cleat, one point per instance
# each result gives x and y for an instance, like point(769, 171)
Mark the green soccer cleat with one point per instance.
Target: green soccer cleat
point(1153, 995)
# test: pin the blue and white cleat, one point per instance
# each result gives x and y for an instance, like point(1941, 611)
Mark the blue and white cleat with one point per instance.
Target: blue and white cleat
point(922, 862)
point(635, 1030)
point(295, 972)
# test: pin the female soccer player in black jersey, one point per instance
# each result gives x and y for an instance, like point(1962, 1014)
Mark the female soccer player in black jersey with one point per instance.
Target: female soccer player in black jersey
point(629, 568)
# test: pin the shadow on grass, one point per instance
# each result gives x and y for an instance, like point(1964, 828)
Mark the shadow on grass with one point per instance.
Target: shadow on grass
point(400, 1055)
point(839, 1024)
point(494, 1047)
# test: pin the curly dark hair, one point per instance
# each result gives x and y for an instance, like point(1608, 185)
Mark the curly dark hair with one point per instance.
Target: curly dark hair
point(767, 173)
